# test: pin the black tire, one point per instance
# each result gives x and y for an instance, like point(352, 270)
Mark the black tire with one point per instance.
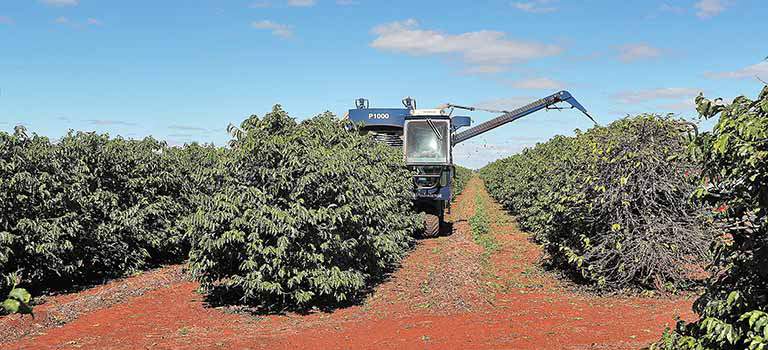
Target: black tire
point(431, 226)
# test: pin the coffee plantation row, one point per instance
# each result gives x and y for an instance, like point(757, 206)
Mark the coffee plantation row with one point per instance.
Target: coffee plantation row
point(611, 205)
point(638, 202)
point(290, 214)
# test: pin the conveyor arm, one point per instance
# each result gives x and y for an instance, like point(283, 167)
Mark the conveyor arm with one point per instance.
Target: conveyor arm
point(544, 103)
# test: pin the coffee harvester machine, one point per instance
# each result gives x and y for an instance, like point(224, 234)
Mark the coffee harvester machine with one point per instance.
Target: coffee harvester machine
point(428, 136)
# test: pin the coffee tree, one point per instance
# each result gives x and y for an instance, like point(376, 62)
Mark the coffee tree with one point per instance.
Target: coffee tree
point(734, 310)
point(310, 214)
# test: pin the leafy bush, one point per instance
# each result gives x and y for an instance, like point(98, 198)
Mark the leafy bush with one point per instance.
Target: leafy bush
point(291, 213)
point(309, 213)
point(733, 311)
point(85, 207)
point(18, 299)
point(460, 178)
point(611, 204)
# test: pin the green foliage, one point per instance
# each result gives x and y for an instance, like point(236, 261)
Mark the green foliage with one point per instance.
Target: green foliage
point(18, 302)
point(307, 213)
point(85, 207)
point(18, 299)
point(290, 214)
point(481, 227)
point(735, 179)
point(461, 176)
point(610, 204)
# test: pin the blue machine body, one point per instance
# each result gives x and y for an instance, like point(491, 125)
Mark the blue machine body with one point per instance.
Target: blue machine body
point(434, 178)
point(391, 121)
point(395, 117)
point(460, 122)
point(378, 117)
point(435, 194)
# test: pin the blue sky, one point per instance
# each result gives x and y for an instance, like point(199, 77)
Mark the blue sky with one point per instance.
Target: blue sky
point(183, 70)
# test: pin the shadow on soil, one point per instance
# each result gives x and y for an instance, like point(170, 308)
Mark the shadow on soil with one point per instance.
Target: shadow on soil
point(229, 298)
point(447, 229)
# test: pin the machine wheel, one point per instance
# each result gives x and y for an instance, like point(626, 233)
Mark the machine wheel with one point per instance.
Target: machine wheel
point(431, 225)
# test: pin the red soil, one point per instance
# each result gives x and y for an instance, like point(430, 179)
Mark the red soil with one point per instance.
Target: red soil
point(447, 295)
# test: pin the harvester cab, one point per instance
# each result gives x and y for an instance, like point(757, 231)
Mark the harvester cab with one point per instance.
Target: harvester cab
point(427, 137)
point(428, 151)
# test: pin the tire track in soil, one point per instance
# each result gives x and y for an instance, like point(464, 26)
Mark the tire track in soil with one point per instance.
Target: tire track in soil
point(443, 297)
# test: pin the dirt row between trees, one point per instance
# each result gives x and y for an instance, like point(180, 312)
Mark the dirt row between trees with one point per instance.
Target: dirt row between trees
point(446, 295)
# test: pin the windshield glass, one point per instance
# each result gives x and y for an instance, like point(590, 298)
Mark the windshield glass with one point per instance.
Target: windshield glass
point(423, 145)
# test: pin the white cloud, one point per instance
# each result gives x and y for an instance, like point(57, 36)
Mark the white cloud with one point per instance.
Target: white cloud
point(709, 8)
point(488, 69)
point(187, 128)
point(6, 20)
point(302, 3)
point(181, 136)
point(759, 69)
point(109, 122)
point(671, 8)
point(538, 83)
point(73, 23)
point(478, 49)
point(687, 104)
point(633, 52)
point(277, 29)
point(260, 4)
point(61, 2)
point(535, 6)
point(656, 94)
